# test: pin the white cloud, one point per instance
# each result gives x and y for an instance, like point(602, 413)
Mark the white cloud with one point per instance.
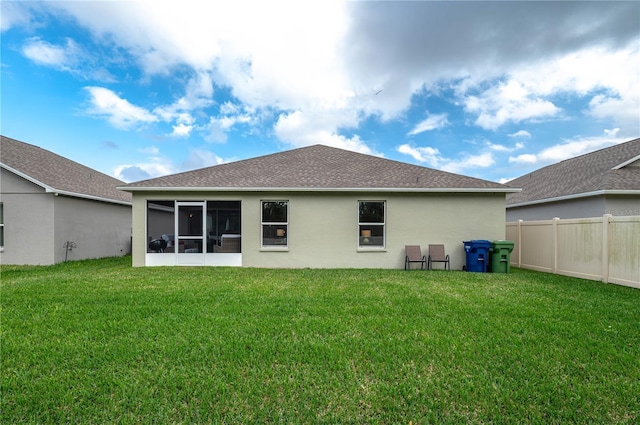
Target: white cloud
point(181, 130)
point(567, 149)
point(434, 159)
point(521, 134)
point(218, 127)
point(142, 171)
point(526, 93)
point(319, 127)
point(482, 160)
point(427, 154)
point(119, 112)
point(14, 13)
point(199, 158)
point(69, 57)
point(156, 165)
point(611, 133)
point(45, 53)
point(508, 102)
point(432, 122)
point(324, 68)
point(525, 158)
point(503, 148)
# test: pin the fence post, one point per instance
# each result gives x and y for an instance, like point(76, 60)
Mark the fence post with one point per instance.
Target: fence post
point(554, 238)
point(606, 220)
point(520, 243)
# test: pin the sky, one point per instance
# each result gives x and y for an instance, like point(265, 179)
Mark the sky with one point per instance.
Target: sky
point(492, 90)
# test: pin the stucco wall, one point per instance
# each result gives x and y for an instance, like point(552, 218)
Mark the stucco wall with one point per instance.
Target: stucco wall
point(37, 224)
point(28, 221)
point(99, 229)
point(574, 208)
point(593, 206)
point(323, 227)
point(622, 205)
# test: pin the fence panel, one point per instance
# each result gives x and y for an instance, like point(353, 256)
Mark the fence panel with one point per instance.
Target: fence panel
point(624, 251)
point(580, 248)
point(537, 252)
point(512, 235)
point(604, 248)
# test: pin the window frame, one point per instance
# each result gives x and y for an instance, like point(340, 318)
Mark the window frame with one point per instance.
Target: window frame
point(283, 244)
point(362, 238)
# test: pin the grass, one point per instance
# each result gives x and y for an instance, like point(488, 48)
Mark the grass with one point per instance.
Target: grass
point(100, 342)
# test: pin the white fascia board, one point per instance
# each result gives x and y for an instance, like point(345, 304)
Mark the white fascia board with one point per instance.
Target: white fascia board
point(49, 189)
point(46, 187)
point(576, 196)
point(319, 189)
point(90, 197)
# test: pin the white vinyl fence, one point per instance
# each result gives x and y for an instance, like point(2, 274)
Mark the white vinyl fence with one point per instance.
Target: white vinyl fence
point(604, 248)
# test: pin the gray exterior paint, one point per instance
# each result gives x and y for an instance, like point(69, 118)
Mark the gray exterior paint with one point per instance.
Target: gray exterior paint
point(48, 200)
point(592, 206)
point(37, 224)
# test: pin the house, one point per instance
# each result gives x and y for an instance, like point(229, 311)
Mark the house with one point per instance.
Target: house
point(316, 206)
point(52, 208)
point(606, 181)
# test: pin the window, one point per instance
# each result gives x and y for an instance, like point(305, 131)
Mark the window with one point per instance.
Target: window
point(371, 224)
point(160, 226)
point(275, 223)
point(221, 223)
point(1, 226)
point(223, 226)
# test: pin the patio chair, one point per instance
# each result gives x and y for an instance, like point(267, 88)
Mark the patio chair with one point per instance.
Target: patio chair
point(437, 255)
point(413, 254)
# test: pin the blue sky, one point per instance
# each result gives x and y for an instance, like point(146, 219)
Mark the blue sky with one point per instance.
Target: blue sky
point(487, 89)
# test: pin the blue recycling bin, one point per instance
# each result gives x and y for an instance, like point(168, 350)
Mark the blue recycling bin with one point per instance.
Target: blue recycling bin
point(477, 255)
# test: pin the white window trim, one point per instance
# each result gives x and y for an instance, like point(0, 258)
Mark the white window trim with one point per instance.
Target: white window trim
point(369, 248)
point(264, 247)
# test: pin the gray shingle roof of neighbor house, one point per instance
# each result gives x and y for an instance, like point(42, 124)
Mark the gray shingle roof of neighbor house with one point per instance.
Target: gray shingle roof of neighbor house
point(318, 168)
point(58, 174)
point(613, 170)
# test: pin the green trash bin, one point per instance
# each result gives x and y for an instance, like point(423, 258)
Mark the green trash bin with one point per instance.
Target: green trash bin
point(500, 253)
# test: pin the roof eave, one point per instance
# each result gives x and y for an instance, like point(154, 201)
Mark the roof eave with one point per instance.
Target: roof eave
point(318, 189)
point(50, 189)
point(27, 177)
point(90, 197)
point(575, 196)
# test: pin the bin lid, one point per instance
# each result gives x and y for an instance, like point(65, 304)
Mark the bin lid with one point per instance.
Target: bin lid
point(480, 242)
point(502, 242)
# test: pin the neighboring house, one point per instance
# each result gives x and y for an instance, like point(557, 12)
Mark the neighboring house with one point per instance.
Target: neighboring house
point(310, 207)
point(49, 203)
point(606, 181)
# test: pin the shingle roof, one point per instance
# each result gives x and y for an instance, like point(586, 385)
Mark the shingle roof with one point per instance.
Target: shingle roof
point(317, 167)
point(593, 172)
point(59, 174)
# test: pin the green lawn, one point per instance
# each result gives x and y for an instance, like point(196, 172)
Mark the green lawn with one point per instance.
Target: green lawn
point(101, 342)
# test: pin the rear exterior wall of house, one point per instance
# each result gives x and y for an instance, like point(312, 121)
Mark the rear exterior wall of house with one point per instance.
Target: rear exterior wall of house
point(323, 229)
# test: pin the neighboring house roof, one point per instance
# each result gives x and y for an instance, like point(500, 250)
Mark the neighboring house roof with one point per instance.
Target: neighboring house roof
point(613, 170)
point(319, 168)
point(57, 174)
